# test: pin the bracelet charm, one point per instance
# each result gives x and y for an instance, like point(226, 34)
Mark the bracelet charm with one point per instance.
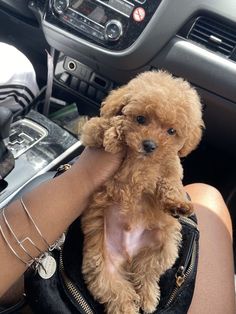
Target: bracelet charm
point(47, 266)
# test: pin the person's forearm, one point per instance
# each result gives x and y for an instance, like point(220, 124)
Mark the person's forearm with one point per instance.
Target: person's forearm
point(60, 202)
point(54, 206)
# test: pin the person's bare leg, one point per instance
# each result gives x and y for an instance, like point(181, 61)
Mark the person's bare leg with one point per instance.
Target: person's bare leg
point(214, 291)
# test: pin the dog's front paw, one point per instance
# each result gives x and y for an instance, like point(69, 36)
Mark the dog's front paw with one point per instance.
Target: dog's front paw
point(179, 208)
point(124, 306)
point(93, 132)
point(113, 142)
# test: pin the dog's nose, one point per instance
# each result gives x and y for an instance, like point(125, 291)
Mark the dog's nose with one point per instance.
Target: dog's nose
point(149, 146)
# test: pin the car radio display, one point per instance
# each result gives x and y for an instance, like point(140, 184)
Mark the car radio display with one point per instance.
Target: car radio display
point(91, 10)
point(95, 9)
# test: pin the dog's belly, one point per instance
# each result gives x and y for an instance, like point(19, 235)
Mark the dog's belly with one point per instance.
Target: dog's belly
point(124, 241)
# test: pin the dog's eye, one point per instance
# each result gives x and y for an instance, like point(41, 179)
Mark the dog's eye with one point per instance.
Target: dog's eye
point(141, 119)
point(171, 131)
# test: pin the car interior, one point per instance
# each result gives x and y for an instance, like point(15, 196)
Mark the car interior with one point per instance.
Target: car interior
point(82, 49)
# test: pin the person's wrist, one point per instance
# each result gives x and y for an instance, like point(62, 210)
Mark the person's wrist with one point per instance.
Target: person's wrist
point(90, 183)
point(82, 180)
point(94, 167)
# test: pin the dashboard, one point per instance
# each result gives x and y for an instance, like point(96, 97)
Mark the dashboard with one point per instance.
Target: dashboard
point(104, 43)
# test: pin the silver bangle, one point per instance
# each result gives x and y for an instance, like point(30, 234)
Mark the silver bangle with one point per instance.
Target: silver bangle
point(35, 261)
point(33, 222)
point(28, 264)
point(20, 242)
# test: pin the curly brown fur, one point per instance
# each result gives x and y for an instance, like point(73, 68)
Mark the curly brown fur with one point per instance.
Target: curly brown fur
point(130, 237)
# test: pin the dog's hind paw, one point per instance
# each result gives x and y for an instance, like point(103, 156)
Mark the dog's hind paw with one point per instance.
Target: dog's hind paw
point(180, 208)
point(150, 299)
point(149, 306)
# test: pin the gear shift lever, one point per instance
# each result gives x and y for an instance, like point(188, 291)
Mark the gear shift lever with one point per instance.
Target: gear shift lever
point(6, 158)
point(5, 122)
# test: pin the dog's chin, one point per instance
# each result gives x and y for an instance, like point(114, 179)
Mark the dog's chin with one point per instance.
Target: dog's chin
point(141, 153)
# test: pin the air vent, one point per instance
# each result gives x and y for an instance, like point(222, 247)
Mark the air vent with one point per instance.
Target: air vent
point(214, 35)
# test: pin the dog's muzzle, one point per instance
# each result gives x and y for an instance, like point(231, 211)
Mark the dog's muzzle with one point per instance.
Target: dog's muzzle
point(149, 146)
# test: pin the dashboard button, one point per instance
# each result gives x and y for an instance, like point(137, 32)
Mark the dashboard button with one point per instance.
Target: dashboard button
point(91, 92)
point(100, 96)
point(83, 87)
point(113, 30)
point(74, 82)
point(64, 78)
point(60, 6)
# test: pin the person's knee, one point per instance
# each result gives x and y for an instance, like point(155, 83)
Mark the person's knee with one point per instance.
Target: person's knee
point(207, 198)
point(204, 190)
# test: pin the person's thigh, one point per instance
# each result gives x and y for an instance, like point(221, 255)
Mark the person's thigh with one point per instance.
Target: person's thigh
point(214, 291)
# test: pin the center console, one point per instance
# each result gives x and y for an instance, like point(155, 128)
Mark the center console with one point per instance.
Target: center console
point(38, 145)
point(109, 36)
point(95, 41)
point(113, 24)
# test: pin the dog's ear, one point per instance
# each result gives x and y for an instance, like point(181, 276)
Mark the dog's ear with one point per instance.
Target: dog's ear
point(193, 139)
point(193, 121)
point(115, 101)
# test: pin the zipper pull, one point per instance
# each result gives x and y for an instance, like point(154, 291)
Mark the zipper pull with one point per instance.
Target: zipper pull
point(180, 276)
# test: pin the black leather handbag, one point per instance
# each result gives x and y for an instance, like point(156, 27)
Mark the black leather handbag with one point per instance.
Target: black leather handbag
point(66, 293)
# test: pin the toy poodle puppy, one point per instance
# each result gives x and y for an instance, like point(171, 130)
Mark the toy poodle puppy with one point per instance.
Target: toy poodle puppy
point(131, 233)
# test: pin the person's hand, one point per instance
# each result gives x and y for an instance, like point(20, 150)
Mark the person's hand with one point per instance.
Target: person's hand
point(99, 165)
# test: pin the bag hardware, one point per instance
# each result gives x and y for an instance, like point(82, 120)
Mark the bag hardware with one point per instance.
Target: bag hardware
point(77, 296)
point(182, 275)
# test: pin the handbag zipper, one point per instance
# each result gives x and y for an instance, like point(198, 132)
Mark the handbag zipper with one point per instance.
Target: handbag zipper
point(182, 274)
point(73, 290)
